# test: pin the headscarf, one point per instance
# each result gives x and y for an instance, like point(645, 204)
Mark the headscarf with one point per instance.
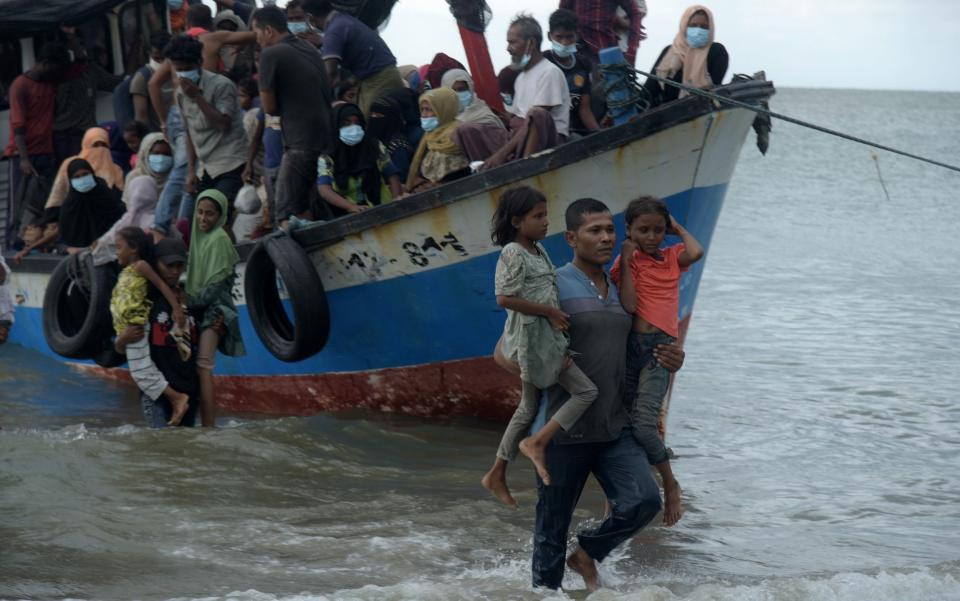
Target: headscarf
point(440, 64)
point(478, 112)
point(212, 256)
point(100, 160)
point(405, 71)
point(445, 105)
point(229, 15)
point(693, 61)
point(389, 128)
point(142, 195)
point(143, 165)
point(84, 217)
point(359, 161)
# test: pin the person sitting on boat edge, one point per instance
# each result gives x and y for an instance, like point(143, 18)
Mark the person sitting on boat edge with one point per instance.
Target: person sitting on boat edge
point(438, 158)
point(89, 210)
point(169, 261)
point(693, 58)
point(576, 70)
point(541, 101)
point(481, 132)
point(357, 174)
point(649, 281)
point(7, 307)
point(601, 441)
point(387, 124)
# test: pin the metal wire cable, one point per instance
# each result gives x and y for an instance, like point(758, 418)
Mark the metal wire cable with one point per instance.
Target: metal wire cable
point(782, 117)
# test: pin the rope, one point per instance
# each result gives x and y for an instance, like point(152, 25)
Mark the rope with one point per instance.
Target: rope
point(628, 79)
point(782, 117)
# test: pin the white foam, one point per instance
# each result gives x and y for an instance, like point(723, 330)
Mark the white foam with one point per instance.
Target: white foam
point(927, 584)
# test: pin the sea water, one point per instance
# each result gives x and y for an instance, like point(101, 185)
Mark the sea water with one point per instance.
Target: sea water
point(816, 425)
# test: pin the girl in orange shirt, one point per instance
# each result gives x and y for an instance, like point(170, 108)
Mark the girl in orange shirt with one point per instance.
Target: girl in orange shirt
point(649, 289)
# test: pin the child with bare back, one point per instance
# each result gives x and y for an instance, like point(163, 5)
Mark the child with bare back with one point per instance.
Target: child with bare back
point(130, 306)
point(648, 278)
point(534, 335)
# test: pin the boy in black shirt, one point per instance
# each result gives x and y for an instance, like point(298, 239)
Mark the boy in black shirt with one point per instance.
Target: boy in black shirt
point(563, 37)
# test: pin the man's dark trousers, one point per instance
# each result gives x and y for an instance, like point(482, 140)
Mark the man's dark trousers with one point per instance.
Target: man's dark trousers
point(622, 469)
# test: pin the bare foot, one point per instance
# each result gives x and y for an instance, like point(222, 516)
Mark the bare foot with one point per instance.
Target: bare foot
point(180, 402)
point(534, 451)
point(583, 564)
point(496, 482)
point(672, 507)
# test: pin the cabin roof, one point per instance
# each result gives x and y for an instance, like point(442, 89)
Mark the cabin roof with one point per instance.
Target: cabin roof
point(25, 17)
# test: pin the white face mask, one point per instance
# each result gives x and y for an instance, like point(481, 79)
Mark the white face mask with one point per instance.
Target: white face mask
point(154, 64)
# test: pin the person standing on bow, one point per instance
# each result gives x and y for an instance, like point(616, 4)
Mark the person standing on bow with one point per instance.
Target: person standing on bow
point(294, 87)
point(693, 58)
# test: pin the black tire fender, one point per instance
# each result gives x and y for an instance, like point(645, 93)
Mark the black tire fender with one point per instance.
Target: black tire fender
point(76, 307)
point(280, 255)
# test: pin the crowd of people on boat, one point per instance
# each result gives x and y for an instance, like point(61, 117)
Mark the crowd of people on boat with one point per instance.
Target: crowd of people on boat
point(251, 120)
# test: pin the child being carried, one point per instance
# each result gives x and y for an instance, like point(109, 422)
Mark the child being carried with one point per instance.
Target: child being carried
point(130, 306)
point(649, 290)
point(534, 335)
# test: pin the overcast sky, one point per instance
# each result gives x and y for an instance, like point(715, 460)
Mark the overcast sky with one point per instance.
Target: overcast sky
point(873, 44)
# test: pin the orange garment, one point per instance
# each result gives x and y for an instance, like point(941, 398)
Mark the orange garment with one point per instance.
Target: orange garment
point(178, 19)
point(99, 158)
point(657, 286)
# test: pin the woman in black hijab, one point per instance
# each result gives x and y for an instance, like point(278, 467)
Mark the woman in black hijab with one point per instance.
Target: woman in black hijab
point(388, 124)
point(90, 209)
point(358, 174)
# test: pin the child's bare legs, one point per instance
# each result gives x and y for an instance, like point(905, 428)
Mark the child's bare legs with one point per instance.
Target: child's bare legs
point(209, 339)
point(650, 382)
point(495, 480)
point(582, 394)
point(179, 401)
point(672, 506)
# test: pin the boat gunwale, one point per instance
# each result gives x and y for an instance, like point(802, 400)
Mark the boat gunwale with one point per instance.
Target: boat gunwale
point(316, 236)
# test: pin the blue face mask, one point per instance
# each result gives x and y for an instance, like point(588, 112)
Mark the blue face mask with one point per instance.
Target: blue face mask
point(562, 50)
point(466, 99)
point(507, 98)
point(160, 163)
point(429, 123)
point(192, 75)
point(83, 184)
point(351, 135)
point(175, 4)
point(697, 37)
point(296, 27)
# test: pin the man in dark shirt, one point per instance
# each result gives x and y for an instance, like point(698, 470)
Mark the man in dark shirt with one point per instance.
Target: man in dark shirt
point(563, 38)
point(294, 87)
point(601, 442)
point(171, 261)
point(349, 43)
